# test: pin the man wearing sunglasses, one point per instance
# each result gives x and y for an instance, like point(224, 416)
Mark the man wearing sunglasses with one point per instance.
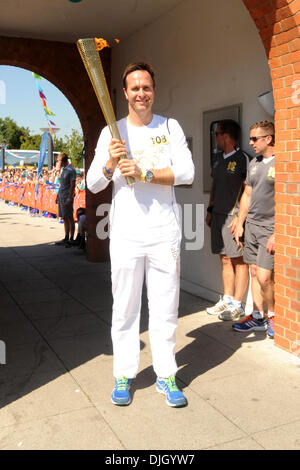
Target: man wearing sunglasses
point(257, 209)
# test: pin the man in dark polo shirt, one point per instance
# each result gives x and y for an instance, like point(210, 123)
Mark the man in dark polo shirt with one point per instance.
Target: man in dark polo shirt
point(228, 172)
point(65, 197)
point(257, 208)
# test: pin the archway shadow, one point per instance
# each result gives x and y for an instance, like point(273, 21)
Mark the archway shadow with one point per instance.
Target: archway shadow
point(55, 315)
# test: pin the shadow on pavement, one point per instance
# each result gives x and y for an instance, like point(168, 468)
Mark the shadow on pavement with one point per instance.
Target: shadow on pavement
point(55, 315)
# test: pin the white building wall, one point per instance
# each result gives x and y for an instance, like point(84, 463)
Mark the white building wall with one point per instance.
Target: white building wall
point(206, 55)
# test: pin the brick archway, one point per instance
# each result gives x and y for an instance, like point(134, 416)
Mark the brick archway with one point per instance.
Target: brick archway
point(60, 63)
point(278, 24)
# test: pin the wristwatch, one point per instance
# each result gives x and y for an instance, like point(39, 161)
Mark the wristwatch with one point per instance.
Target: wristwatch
point(149, 176)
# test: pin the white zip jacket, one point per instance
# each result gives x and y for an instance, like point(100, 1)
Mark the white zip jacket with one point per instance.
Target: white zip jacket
point(144, 206)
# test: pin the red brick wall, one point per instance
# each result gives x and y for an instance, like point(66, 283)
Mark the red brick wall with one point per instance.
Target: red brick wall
point(61, 64)
point(278, 22)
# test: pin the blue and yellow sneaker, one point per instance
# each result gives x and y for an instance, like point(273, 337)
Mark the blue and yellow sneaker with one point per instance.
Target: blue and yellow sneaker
point(168, 387)
point(120, 394)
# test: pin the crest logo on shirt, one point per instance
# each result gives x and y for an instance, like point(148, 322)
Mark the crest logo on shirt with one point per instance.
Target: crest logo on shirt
point(271, 173)
point(231, 167)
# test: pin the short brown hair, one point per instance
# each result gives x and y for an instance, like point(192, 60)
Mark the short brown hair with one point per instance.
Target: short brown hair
point(137, 66)
point(268, 126)
point(64, 156)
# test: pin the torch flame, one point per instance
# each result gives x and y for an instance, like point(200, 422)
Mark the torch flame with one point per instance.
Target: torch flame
point(102, 43)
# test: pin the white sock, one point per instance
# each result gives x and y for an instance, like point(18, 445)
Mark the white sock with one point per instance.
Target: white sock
point(228, 298)
point(271, 314)
point(237, 303)
point(258, 315)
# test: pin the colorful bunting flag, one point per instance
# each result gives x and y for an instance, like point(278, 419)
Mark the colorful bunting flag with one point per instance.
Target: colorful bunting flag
point(43, 100)
point(42, 95)
point(38, 77)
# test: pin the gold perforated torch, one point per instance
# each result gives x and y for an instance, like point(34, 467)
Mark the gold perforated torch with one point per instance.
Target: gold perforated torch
point(89, 51)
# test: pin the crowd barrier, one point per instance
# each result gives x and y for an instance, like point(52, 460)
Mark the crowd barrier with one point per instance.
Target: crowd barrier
point(43, 201)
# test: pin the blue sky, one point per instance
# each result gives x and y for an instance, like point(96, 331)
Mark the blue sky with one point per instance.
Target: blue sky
point(19, 100)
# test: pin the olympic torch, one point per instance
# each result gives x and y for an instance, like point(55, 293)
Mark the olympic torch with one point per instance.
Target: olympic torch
point(92, 62)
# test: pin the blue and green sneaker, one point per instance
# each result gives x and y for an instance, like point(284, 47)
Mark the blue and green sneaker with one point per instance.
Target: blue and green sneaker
point(120, 394)
point(168, 387)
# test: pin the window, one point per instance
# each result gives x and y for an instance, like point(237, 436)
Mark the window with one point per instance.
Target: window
point(210, 148)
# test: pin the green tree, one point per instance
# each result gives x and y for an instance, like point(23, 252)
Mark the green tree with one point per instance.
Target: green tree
point(11, 133)
point(60, 145)
point(30, 142)
point(74, 148)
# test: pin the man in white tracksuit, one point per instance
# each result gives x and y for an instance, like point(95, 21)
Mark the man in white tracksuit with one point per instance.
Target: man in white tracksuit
point(145, 232)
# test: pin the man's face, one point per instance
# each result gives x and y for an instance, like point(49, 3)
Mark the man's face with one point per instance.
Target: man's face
point(259, 140)
point(220, 138)
point(60, 163)
point(140, 91)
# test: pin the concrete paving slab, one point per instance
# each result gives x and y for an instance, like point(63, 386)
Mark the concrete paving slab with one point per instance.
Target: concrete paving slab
point(220, 330)
point(45, 295)
point(6, 300)
point(205, 359)
point(78, 350)
point(52, 261)
point(52, 309)
point(83, 429)
point(284, 437)
point(28, 285)
point(2, 289)
point(69, 326)
point(32, 252)
point(254, 401)
point(196, 426)
point(20, 332)
point(25, 360)
point(55, 387)
point(79, 281)
point(246, 443)
point(98, 382)
point(16, 273)
point(98, 302)
point(39, 395)
point(7, 254)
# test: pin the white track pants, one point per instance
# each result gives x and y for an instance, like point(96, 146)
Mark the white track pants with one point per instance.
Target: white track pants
point(130, 261)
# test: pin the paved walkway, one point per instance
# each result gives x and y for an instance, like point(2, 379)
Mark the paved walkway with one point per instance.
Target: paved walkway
point(55, 310)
